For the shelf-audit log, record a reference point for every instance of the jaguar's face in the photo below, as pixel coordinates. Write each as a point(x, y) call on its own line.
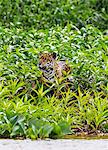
point(46, 60)
point(51, 68)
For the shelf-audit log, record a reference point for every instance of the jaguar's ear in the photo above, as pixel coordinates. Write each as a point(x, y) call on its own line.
point(40, 54)
point(54, 55)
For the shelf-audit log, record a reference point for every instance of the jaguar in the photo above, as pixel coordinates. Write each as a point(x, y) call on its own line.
point(53, 69)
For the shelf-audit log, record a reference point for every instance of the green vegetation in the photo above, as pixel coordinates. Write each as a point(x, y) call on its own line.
point(77, 31)
point(48, 13)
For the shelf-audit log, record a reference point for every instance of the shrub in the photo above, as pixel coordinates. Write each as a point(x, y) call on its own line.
point(48, 13)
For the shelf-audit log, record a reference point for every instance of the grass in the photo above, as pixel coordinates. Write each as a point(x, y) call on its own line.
point(27, 108)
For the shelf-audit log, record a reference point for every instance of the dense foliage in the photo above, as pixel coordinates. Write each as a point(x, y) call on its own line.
point(77, 31)
point(48, 13)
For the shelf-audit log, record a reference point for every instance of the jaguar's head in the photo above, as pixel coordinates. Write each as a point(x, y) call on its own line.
point(46, 59)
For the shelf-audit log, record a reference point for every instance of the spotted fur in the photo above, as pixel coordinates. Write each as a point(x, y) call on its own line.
point(52, 69)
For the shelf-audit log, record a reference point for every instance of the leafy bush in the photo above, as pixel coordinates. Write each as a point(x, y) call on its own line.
point(48, 13)
point(71, 29)
point(85, 49)
point(36, 115)
point(53, 117)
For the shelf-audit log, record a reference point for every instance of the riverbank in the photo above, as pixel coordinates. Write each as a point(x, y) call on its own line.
point(61, 144)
